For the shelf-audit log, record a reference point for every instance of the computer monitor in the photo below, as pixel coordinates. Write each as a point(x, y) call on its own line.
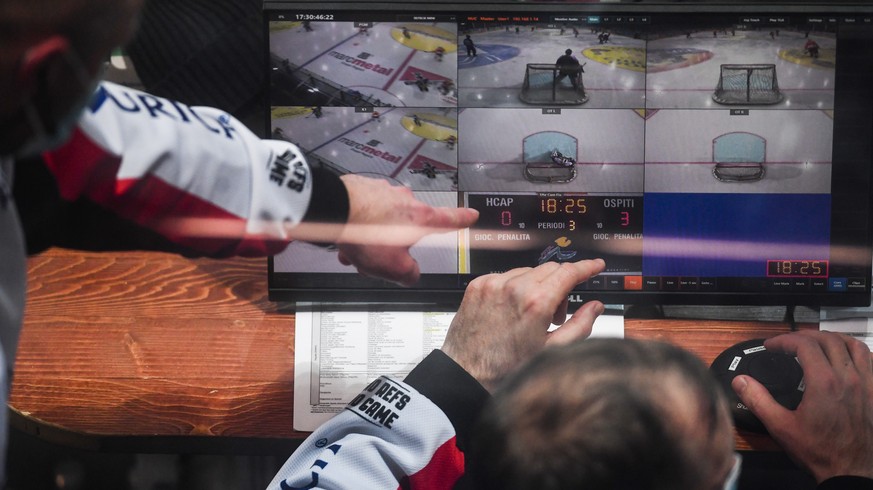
point(711, 154)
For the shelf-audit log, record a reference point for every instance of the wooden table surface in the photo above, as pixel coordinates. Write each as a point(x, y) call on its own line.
point(154, 352)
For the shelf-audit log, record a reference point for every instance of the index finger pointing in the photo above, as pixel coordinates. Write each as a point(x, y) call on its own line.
point(569, 274)
point(451, 218)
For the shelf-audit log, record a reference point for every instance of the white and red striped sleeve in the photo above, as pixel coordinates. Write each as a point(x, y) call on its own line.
point(195, 175)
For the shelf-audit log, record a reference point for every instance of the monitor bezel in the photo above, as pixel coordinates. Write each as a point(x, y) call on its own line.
point(340, 287)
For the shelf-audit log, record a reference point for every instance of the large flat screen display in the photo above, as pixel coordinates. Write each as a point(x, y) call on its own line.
point(710, 154)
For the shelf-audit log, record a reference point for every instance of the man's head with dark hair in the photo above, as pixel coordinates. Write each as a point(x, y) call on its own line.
point(605, 414)
point(568, 51)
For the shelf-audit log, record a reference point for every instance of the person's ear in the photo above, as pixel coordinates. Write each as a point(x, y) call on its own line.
point(39, 56)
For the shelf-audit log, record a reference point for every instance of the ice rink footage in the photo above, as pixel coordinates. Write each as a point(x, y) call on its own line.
point(385, 63)
point(407, 146)
point(683, 70)
point(682, 150)
point(614, 71)
point(609, 149)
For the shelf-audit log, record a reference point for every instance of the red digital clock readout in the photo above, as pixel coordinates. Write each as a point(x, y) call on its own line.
point(797, 268)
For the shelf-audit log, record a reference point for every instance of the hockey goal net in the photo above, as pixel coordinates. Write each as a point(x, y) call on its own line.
point(553, 84)
point(747, 84)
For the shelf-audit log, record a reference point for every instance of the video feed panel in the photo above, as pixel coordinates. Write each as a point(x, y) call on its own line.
point(556, 60)
point(367, 60)
point(373, 94)
point(563, 177)
point(739, 144)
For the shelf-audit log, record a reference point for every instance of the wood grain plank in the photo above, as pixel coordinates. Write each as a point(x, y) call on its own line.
point(141, 344)
point(151, 345)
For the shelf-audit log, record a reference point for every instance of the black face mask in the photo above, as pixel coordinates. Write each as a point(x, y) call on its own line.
point(47, 135)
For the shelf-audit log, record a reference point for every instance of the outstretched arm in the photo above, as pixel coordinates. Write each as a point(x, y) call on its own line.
point(384, 222)
point(203, 184)
point(502, 321)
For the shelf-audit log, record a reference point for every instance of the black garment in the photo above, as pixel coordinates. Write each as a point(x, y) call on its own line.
point(471, 48)
point(846, 483)
point(569, 61)
point(454, 390)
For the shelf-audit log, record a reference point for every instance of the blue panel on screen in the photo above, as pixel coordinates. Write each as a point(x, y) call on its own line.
point(732, 235)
